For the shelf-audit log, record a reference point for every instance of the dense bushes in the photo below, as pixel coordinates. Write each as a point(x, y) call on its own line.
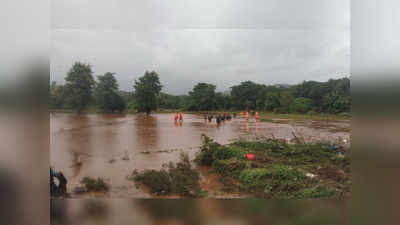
point(98, 185)
point(174, 178)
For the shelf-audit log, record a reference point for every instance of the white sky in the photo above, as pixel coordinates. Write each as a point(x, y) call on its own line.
point(222, 42)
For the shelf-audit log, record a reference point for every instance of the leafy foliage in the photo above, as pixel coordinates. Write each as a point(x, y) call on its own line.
point(58, 96)
point(279, 169)
point(203, 96)
point(106, 93)
point(147, 89)
point(300, 105)
point(98, 184)
point(79, 82)
point(332, 96)
point(174, 178)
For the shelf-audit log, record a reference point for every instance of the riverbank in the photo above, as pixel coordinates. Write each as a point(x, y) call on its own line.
point(263, 168)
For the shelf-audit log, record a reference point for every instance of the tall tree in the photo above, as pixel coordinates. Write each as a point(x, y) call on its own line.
point(203, 96)
point(79, 82)
point(58, 95)
point(272, 101)
point(147, 89)
point(106, 93)
point(245, 95)
point(285, 99)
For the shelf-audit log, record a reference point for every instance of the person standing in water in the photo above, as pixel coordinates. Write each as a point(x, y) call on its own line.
point(257, 116)
point(180, 117)
point(176, 117)
point(247, 116)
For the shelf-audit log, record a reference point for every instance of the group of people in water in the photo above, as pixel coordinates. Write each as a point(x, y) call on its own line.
point(228, 116)
point(178, 117)
point(219, 117)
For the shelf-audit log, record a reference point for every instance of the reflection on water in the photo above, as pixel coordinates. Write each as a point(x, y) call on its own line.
point(113, 145)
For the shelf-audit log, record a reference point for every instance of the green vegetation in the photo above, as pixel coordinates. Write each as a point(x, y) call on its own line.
point(79, 83)
point(203, 97)
point(106, 94)
point(279, 170)
point(174, 178)
point(147, 89)
point(98, 185)
point(300, 105)
point(266, 120)
point(81, 92)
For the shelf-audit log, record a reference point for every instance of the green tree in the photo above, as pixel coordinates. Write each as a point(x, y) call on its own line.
point(285, 99)
point(244, 95)
point(203, 96)
point(300, 105)
point(106, 93)
point(79, 82)
point(336, 103)
point(170, 101)
point(272, 101)
point(58, 95)
point(147, 89)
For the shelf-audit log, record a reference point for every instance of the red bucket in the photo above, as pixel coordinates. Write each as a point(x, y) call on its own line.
point(250, 156)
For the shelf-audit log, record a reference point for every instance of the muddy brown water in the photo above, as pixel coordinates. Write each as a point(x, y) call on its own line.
point(113, 145)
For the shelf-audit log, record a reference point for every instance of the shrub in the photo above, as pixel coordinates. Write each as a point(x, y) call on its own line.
point(254, 177)
point(174, 178)
point(159, 182)
point(232, 166)
point(98, 184)
point(206, 155)
point(227, 152)
point(317, 192)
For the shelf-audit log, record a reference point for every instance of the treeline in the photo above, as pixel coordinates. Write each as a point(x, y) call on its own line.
point(332, 96)
point(82, 90)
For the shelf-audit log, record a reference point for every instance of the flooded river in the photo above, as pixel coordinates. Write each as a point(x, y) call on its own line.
point(113, 145)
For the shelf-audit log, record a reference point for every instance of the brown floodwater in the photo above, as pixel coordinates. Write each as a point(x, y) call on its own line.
point(113, 145)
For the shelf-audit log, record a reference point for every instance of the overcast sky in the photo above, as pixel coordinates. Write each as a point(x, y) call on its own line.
point(222, 42)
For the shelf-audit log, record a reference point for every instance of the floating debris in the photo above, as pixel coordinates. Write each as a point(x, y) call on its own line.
point(145, 152)
point(112, 161)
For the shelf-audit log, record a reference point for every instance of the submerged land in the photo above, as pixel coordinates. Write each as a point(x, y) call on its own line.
point(131, 155)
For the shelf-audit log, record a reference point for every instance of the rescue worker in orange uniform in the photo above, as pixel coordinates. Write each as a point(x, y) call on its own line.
point(180, 117)
point(176, 117)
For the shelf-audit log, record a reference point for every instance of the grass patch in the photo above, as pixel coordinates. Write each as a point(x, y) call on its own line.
point(279, 169)
point(266, 120)
point(174, 178)
point(97, 185)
